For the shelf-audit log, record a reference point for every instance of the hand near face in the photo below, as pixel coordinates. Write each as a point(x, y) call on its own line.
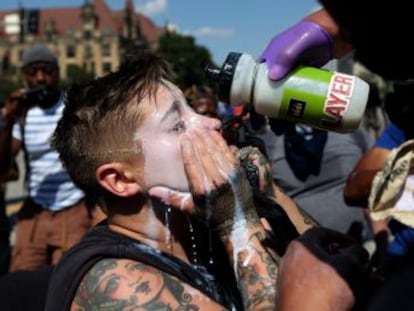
point(258, 170)
point(201, 181)
point(218, 184)
point(255, 165)
point(13, 109)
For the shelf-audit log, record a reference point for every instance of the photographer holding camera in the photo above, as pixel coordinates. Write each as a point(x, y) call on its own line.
point(55, 215)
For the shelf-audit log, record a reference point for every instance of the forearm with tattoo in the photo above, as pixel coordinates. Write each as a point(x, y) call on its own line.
point(258, 171)
point(256, 268)
point(236, 221)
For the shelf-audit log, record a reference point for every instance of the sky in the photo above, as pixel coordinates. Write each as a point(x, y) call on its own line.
point(222, 26)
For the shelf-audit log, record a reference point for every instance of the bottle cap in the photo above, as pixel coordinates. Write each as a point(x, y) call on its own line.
point(224, 75)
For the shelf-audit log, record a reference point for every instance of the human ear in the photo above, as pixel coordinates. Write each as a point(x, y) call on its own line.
point(116, 178)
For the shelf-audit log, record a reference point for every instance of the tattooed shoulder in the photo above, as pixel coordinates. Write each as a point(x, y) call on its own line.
point(123, 284)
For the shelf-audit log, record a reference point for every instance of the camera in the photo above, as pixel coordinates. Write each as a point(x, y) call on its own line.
point(35, 95)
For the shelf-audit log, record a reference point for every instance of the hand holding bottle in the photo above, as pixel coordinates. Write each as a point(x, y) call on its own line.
point(306, 42)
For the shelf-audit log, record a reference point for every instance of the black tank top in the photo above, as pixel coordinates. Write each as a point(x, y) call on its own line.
point(216, 281)
point(100, 242)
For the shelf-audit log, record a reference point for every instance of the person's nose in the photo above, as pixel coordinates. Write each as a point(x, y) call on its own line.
point(40, 77)
point(215, 124)
point(210, 123)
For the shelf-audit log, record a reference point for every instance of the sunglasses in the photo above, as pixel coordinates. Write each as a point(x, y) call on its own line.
point(32, 70)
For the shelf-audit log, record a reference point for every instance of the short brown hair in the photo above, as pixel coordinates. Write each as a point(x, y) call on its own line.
point(99, 116)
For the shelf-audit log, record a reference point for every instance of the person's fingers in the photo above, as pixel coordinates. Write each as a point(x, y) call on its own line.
point(192, 165)
point(244, 153)
point(277, 72)
point(235, 150)
point(263, 171)
point(230, 159)
point(221, 154)
point(175, 199)
point(208, 154)
point(258, 169)
point(18, 94)
point(225, 157)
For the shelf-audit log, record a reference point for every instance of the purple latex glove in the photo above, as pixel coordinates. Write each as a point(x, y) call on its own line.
point(305, 42)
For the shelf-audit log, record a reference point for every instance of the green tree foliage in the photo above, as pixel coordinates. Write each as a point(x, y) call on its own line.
point(7, 86)
point(78, 75)
point(187, 59)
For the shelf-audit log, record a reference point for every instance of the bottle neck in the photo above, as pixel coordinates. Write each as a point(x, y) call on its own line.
point(242, 86)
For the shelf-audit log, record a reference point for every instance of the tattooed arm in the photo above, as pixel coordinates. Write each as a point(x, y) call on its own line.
point(223, 197)
point(255, 265)
point(123, 284)
point(259, 174)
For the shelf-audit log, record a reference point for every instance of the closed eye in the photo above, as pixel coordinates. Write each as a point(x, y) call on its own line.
point(178, 127)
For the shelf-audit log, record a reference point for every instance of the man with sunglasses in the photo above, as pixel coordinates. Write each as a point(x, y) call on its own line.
point(54, 216)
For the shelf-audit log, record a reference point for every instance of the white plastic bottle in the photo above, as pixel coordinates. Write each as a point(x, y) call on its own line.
point(320, 98)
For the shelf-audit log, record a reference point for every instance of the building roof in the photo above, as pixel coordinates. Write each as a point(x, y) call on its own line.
point(70, 19)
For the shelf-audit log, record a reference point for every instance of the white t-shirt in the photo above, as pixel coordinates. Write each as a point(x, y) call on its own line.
point(49, 184)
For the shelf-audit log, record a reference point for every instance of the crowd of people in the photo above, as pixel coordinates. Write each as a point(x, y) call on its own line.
point(144, 196)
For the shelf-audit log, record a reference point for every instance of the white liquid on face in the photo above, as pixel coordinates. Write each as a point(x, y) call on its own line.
point(151, 226)
point(163, 164)
point(186, 198)
point(168, 235)
point(197, 121)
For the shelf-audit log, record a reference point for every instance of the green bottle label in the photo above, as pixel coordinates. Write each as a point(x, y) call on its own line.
point(313, 74)
point(316, 97)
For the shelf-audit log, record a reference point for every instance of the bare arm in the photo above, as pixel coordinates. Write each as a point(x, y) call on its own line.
point(254, 264)
point(259, 172)
point(300, 220)
point(9, 147)
point(222, 197)
point(122, 284)
point(11, 175)
point(358, 184)
point(233, 215)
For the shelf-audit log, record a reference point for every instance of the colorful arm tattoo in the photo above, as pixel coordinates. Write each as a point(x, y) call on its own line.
point(122, 284)
point(256, 268)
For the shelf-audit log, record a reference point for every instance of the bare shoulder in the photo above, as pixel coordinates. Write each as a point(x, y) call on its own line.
point(123, 284)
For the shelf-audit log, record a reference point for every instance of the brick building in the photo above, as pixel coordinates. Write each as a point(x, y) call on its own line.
point(93, 36)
